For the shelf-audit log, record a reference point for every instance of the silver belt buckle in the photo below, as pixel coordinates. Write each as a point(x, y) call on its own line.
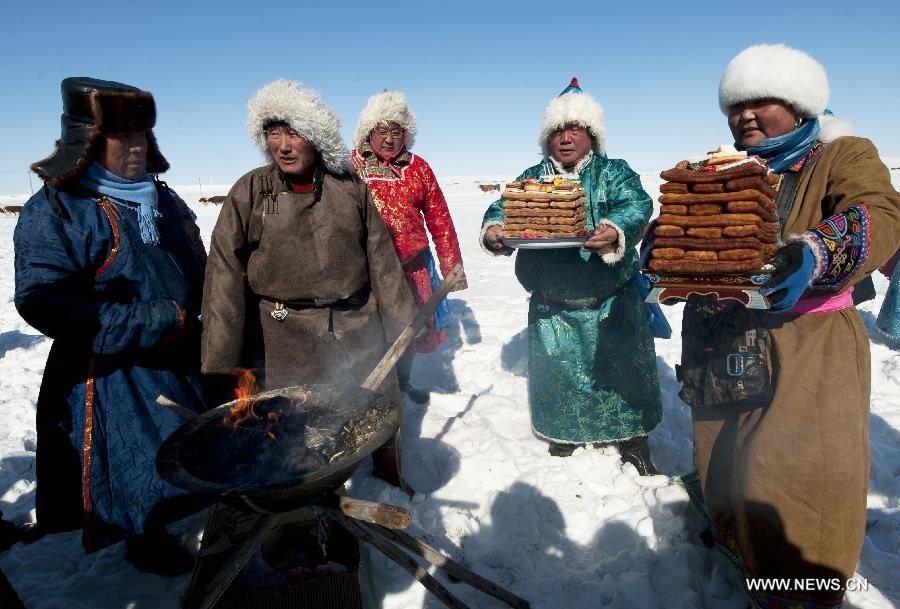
point(279, 312)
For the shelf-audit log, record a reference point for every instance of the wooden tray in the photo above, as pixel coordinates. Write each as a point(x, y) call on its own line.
point(669, 288)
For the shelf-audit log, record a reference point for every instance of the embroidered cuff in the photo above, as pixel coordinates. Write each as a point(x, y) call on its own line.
point(506, 251)
point(839, 244)
point(613, 253)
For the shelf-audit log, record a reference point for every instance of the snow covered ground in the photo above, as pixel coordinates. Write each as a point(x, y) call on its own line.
point(581, 532)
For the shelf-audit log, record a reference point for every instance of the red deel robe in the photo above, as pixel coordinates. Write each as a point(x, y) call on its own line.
point(407, 194)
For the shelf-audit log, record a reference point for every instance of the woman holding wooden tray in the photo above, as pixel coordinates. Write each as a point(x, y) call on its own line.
point(784, 479)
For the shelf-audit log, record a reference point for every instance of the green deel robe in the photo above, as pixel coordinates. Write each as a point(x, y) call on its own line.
point(591, 369)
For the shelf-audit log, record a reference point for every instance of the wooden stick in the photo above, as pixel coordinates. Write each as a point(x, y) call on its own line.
point(453, 568)
point(363, 533)
point(177, 408)
point(387, 516)
point(377, 376)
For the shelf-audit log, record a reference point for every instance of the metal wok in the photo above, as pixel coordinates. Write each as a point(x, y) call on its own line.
point(320, 442)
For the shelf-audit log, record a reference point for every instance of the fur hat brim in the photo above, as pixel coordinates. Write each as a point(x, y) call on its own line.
point(775, 71)
point(574, 107)
point(91, 108)
point(386, 107)
point(304, 111)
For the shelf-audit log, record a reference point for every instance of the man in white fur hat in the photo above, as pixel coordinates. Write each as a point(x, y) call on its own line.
point(409, 198)
point(592, 364)
point(303, 284)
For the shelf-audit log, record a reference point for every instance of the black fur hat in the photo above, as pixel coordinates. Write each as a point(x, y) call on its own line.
point(92, 107)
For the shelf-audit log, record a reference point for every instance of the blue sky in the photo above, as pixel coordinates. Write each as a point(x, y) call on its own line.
point(478, 74)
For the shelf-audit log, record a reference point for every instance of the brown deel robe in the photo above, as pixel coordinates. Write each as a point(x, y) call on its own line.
point(296, 249)
point(787, 483)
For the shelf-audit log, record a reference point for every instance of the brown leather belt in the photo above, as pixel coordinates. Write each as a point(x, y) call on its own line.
point(354, 301)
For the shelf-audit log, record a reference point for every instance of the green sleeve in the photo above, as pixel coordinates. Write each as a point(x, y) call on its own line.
point(629, 206)
point(494, 213)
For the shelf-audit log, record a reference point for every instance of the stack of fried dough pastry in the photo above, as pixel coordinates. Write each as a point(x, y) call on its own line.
point(553, 209)
point(715, 222)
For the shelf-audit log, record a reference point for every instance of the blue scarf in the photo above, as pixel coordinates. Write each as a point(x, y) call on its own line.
point(141, 191)
point(787, 150)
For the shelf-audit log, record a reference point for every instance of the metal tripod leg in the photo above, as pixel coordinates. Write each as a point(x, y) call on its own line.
point(363, 533)
point(204, 594)
point(386, 541)
point(451, 567)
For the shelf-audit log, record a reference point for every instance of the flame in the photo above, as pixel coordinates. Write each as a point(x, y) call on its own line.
point(243, 408)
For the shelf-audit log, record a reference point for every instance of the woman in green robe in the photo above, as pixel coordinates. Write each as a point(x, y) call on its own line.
point(592, 363)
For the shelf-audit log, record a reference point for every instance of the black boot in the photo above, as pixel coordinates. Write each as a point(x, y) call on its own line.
point(11, 533)
point(404, 368)
point(637, 452)
point(386, 465)
point(419, 396)
point(155, 551)
point(562, 450)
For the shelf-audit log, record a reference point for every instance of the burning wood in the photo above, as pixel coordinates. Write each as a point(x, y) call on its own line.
point(244, 408)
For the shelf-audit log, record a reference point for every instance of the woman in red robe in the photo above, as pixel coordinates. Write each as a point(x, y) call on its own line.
point(407, 194)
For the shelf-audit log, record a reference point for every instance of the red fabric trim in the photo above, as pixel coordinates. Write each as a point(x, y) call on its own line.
point(179, 328)
point(301, 187)
point(419, 282)
point(180, 312)
point(814, 153)
point(86, 456)
point(107, 208)
point(181, 315)
point(305, 184)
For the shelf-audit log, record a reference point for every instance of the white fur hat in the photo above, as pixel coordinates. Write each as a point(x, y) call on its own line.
point(573, 106)
point(775, 71)
point(304, 111)
point(385, 107)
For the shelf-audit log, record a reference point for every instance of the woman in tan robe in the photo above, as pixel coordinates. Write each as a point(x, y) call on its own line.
point(785, 484)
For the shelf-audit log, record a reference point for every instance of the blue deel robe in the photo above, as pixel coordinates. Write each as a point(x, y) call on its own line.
point(592, 365)
point(118, 311)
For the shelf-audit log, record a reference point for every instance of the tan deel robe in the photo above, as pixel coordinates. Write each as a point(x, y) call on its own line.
point(786, 485)
point(298, 250)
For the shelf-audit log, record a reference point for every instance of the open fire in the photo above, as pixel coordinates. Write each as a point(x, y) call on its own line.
point(322, 432)
point(244, 408)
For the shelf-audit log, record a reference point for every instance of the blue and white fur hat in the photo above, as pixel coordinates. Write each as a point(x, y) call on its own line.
point(574, 106)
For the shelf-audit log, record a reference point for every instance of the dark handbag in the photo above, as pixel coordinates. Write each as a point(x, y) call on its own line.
point(725, 357)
